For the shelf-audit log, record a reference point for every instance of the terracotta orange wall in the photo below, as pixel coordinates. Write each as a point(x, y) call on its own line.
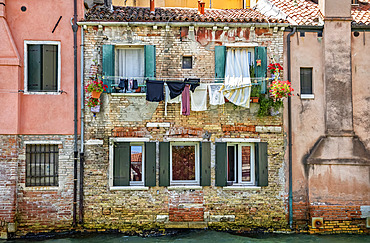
point(43, 114)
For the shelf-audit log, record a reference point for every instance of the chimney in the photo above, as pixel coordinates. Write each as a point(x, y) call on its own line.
point(2, 8)
point(201, 5)
point(152, 9)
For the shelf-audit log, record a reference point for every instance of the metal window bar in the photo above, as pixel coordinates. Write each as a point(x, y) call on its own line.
point(42, 165)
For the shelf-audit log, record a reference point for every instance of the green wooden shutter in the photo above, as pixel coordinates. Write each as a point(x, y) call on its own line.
point(164, 164)
point(205, 165)
point(221, 164)
point(121, 164)
point(150, 66)
point(261, 164)
point(260, 53)
point(220, 62)
point(108, 66)
point(150, 156)
point(34, 53)
point(50, 68)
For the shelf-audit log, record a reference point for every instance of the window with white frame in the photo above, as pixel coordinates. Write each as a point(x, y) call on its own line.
point(130, 63)
point(239, 62)
point(240, 164)
point(132, 162)
point(184, 163)
point(128, 164)
point(42, 66)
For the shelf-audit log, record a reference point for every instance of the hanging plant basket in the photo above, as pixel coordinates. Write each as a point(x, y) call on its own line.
point(96, 95)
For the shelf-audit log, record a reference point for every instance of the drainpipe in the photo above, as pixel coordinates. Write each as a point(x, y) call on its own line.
point(290, 132)
point(82, 154)
point(75, 154)
point(152, 8)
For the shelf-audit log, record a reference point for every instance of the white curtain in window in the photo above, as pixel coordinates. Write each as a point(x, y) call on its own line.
point(131, 63)
point(237, 86)
point(237, 67)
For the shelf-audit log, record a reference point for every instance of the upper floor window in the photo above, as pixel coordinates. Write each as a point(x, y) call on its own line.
point(126, 66)
point(42, 164)
point(306, 83)
point(42, 66)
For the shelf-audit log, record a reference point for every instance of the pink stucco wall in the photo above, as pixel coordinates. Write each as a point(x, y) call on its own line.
point(38, 113)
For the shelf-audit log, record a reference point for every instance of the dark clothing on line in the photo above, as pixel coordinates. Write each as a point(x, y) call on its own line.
point(154, 90)
point(175, 88)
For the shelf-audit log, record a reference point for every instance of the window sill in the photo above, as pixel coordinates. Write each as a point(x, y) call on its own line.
point(41, 93)
point(241, 188)
point(128, 94)
point(173, 188)
point(129, 188)
point(40, 188)
point(307, 96)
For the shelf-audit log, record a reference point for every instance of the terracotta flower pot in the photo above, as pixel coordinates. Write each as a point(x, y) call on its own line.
point(254, 99)
point(95, 94)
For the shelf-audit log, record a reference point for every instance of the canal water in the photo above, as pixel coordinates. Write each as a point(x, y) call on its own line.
point(204, 237)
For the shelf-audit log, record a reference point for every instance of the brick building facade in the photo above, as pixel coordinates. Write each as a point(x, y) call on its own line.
point(128, 118)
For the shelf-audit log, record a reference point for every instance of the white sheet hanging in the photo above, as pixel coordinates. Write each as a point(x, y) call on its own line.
point(199, 98)
point(215, 95)
point(237, 67)
point(168, 99)
point(237, 86)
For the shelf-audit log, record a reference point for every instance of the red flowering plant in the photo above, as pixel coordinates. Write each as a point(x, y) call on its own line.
point(95, 84)
point(280, 89)
point(92, 102)
point(275, 68)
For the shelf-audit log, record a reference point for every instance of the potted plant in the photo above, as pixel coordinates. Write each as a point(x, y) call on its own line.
point(278, 91)
point(95, 86)
point(255, 93)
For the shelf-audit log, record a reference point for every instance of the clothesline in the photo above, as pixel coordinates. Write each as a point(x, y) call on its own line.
point(169, 79)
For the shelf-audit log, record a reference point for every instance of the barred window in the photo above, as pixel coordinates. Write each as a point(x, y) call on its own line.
point(42, 165)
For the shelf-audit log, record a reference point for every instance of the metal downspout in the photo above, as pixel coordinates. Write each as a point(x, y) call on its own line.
point(75, 154)
point(82, 119)
point(290, 133)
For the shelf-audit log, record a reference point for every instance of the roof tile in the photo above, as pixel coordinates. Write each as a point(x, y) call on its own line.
point(141, 14)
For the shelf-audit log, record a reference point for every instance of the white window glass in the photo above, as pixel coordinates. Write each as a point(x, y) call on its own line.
point(240, 164)
point(136, 164)
point(184, 163)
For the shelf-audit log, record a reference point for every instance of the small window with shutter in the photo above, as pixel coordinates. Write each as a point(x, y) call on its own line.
point(133, 164)
point(241, 164)
point(42, 66)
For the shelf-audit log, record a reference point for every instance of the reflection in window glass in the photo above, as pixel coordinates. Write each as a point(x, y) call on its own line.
point(246, 163)
point(136, 165)
point(183, 162)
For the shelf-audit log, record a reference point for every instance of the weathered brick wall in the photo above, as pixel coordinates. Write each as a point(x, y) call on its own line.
point(8, 180)
point(127, 116)
point(42, 209)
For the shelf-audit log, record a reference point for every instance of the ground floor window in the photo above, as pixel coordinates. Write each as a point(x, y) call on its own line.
point(184, 163)
point(42, 164)
point(240, 164)
point(133, 164)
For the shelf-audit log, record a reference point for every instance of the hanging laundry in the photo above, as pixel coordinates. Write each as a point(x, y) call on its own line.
point(134, 84)
point(154, 90)
point(215, 95)
point(175, 88)
point(123, 84)
point(168, 98)
point(185, 102)
point(194, 82)
point(199, 98)
point(238, 95)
